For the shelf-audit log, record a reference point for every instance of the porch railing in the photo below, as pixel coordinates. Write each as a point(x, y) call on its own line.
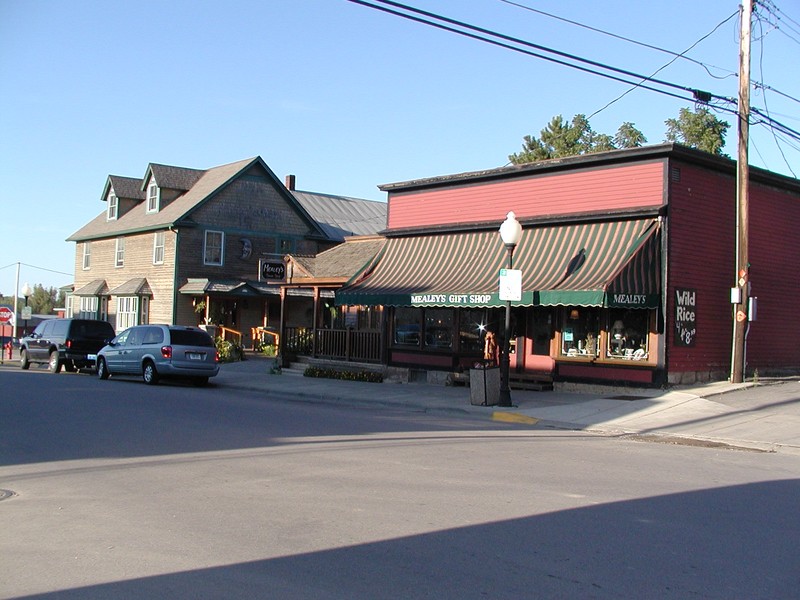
point(339, 344)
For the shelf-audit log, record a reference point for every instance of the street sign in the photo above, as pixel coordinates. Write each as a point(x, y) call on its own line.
point(510, 285)
point(6, 316)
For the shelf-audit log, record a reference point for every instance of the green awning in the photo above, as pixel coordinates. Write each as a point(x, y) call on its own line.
point(613, 263)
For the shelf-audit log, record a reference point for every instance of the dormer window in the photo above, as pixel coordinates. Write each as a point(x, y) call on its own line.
point(152, 196)
point(113, 206)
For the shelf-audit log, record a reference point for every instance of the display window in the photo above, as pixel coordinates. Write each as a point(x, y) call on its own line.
point(627, 334)
point(580, 332)
point(407, 326)
point(439, 328)
point(473, 324)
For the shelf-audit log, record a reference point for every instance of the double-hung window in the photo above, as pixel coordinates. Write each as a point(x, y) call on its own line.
point(127, 311)
point(152, 196)
point(213, 248)
point(113, 207)
point(119, 255)
point(158, 248)
point(87, 255)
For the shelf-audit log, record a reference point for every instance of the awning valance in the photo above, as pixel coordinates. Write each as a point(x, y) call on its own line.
point(613, 263)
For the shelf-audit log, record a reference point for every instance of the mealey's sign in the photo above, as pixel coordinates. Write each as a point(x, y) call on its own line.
point(272, 270)
point(450, 299)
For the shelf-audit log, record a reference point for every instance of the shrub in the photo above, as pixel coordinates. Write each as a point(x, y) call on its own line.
point(368, 376)
point(228, 351)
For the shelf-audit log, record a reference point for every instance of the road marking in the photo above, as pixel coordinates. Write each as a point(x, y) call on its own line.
point(509, 417)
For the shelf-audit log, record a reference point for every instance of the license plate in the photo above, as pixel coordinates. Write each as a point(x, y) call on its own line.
point(91, 356)
point(194, 356)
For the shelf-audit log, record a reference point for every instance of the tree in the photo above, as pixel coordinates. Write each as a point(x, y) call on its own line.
point(699, 129)
point(560, 139)
point(42, 301)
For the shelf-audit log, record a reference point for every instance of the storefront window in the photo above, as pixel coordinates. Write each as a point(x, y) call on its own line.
point(473, 323)
point(407, 326)
point(580, 332)
point(627, 334)
point(439, 328)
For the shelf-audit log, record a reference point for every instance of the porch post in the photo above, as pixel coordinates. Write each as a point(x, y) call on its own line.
point(315, 322)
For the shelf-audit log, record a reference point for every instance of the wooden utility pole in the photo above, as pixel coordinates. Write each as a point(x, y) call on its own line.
point(742, 201)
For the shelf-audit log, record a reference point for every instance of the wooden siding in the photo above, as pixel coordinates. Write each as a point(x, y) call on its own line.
point(774, 254)
point(138, 263)
point(619, 187)
point(702, 234)
point(701, 258)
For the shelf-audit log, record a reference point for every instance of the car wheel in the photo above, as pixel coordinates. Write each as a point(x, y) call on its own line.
point(200, 381)
point(24, 363)
point(102, 369)
point(149, 373)
point(55, 363)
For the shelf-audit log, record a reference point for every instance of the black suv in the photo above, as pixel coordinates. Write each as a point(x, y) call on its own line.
point(68, 343)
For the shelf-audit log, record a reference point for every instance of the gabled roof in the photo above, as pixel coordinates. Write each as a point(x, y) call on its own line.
point(341, 216)
point(340, 262)
point(173, 178)
point(206, 185)
point(124, 187)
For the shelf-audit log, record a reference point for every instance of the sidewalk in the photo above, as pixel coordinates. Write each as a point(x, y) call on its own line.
point(689, 413)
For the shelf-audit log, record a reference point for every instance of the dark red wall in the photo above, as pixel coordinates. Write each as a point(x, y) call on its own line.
point(619, 187)
point(701, 256)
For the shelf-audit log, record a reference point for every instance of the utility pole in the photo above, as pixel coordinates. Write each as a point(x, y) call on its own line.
point(742, 202)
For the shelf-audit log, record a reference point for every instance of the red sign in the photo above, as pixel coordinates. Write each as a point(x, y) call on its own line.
point(6, 315)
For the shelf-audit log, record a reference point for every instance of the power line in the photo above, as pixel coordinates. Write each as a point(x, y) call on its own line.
point(626, 39)
point(720, 103)
point(626, 92)
point(696, 94)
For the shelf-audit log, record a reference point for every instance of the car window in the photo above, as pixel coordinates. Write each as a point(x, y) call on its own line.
point(153, 335)
point(60, 328)
point(136, 336)
point(40, 328)
point(121, 338)
point(190, 337)
point(98, 330)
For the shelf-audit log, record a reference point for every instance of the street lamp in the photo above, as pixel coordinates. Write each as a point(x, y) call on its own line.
point(26, 292)
point(510, 233)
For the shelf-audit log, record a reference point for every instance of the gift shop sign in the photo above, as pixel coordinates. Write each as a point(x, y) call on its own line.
point(685, 317)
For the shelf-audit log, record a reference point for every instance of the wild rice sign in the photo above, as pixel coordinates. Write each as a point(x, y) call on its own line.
point(685, 317)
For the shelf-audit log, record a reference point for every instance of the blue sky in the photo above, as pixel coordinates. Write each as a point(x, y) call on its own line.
point(343, 96)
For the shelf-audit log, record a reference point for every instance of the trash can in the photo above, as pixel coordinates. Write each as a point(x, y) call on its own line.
point(484, 386)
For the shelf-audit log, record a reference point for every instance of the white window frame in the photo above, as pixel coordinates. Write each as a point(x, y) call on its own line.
point(113, 206)
point(144, 313)
point(87, 256)
point(158, 247)
point(212, 247)
point(153, 196)
point(88, 308)
point(119, 253)
point(127, 312)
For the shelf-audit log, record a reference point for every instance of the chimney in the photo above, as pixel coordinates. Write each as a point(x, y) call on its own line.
point(290, 181)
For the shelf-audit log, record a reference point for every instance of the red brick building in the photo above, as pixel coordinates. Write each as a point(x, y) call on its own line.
point(627, 258)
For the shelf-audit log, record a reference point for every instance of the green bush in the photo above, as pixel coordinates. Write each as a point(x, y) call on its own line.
point(368, 376)
point(228, 351)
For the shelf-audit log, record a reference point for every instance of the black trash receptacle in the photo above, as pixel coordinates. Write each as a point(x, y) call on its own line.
point(484, 386)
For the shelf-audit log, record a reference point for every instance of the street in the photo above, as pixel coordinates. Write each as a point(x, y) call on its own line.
point(121, 490)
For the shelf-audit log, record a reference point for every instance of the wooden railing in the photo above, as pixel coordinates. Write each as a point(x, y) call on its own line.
point(339, 344)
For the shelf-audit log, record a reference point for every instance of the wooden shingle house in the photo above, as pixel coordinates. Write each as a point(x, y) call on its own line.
point(191, 246)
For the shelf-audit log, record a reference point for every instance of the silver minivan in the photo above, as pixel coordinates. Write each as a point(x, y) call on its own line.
point(156, 351)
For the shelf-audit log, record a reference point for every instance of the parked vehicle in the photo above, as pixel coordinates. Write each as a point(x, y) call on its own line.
point(156, 351)
point(68, 343)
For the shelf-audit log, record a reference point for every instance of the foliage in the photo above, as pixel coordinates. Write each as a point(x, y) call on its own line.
point(560, 139)
point(699, 129)
point(229, 351)
point(267, 349)
point(368, 376)
point(42, 301)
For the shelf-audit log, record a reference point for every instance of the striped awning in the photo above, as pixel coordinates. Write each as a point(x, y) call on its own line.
point(613, 263)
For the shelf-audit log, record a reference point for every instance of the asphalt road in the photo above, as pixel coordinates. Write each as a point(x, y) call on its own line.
point(120, 490)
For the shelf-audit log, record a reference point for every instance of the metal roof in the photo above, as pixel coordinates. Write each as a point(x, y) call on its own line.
point(341, 216)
